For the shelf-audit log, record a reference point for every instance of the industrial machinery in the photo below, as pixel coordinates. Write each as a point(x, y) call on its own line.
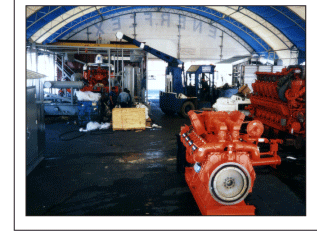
point(61, 105)
point(235, 103)
point(96, 75)
point(35, 124)
point(176, 98)
point(278, 101)
point(135, 82)
point(220, 160)
point(92, 67)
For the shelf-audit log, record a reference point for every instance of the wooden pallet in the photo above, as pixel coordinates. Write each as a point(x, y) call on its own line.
point(128, 119)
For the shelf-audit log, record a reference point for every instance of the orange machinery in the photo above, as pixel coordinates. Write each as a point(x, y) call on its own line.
point(97, 78)
point(278, 101)
point(222, 159)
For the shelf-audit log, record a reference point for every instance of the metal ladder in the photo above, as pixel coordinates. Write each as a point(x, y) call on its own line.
point(68, 72)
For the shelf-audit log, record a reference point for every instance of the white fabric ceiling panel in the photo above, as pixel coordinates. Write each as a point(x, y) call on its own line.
point(299, 10)
point(32, 9)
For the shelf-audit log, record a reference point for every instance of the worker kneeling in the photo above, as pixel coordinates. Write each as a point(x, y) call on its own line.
point(124, 99)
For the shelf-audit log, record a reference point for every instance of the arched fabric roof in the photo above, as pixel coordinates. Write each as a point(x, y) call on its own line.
point(263, 28)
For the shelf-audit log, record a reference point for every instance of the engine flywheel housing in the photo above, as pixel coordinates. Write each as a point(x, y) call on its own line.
point(229, 183)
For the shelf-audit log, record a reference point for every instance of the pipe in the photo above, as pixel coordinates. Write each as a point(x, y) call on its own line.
point(267, 161)
point(78, 61)
point(250, 148)
point(282, 90)
point(302, 69)
point(202, 152)
point(197, 124)
point(67, 84)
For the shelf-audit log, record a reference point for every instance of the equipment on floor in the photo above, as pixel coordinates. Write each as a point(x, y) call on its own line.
point(178, 98)
point(35, 124)
point(95, 68)
point(278, 101)
point(220, 160)
point(88, 111)
point(234, 103)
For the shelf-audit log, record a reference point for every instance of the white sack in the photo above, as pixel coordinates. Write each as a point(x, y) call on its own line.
point(140, 105)
point(87, 96)
point(92, 126)
point(104, 126)
point(95, 126)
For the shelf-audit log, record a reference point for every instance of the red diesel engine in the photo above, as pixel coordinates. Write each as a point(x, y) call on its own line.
point(98, 79)
point(222, 160)
point(278, 101)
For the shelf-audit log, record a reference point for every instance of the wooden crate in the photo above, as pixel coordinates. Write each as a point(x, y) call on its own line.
point(128, 119)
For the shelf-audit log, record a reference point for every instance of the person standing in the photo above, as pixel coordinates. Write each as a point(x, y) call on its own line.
point(205, 89)
point(124, 98)
point(103, 101)
point(113, 98)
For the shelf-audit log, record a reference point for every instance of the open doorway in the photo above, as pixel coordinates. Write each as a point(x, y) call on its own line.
point(156, 79)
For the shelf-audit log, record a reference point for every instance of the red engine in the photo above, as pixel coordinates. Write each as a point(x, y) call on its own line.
point(223, 158)
point(278, 100)
point(98, 79)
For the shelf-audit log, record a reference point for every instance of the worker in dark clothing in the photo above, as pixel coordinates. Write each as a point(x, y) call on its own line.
point(103, 101)
point(124, 98)
point(204, 90)
point(130, 98)
point(113, 98)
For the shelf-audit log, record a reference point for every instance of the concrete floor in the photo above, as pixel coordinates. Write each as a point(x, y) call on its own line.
point(128, 173)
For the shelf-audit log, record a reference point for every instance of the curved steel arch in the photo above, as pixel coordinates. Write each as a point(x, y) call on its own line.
point(43, 16)
point(205, 20)
point(235, 29)
point(254, 41)
point(265, 26)
point(293, 33)
point(40, 14)
point(285, 11)
point(79, 21)
point(294, 29)
point(52, 27)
